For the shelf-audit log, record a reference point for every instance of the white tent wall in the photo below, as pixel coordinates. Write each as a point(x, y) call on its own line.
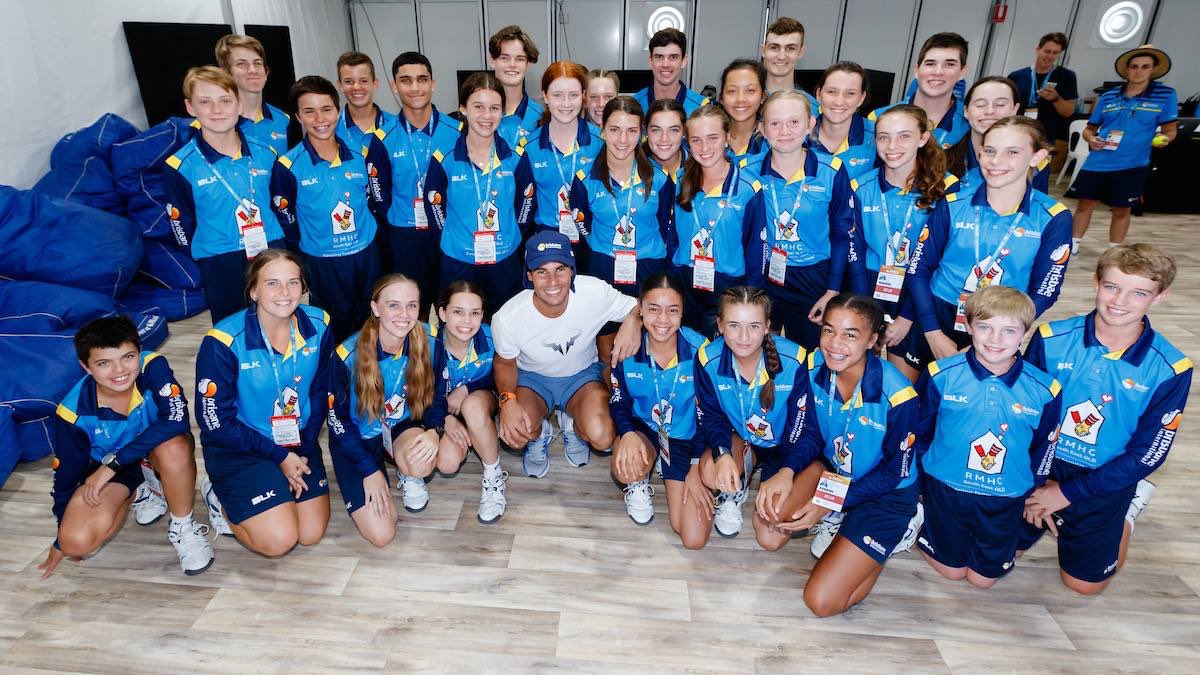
point(65, 62)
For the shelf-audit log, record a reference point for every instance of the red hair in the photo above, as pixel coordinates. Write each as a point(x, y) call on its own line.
point(564, 69)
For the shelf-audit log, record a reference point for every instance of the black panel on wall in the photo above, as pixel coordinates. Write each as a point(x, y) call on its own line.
point(277, 40)
point(162, 54)
point(879, 87)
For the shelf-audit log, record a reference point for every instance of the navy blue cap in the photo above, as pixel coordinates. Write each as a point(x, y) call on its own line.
point(545, 247)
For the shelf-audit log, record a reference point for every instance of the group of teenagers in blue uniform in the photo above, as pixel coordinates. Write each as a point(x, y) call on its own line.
point(628, 263)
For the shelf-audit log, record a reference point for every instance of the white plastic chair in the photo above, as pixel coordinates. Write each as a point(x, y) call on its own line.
point(1077, 152)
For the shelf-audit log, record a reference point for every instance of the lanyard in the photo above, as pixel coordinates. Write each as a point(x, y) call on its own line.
point(1033, 85)
point(666, 426)
point(999, 247)
point(575, 150)
point(887, 224)
point(396, 384)
point(628, 195)
point(833, 402)
point(233, 193)
point(751, 388)
point(774, 192)
point(275, 367)
point(487, 188)
point(721, 204)
point(412, 132)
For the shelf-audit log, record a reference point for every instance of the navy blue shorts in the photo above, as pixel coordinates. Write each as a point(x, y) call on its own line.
point(500, 281)
point(791, 303)
point(699, 306)
point(556, 392)
point(224, 279)
point(341, 285)
point(348, 478)
point(876, 526)
point(978, 532)
point(601, 266)
point(417, 255)
point(915, 348)
point(677, 460)
point(248, 485)
point(770, 460)
point(1118, 189)
point(1089, 531)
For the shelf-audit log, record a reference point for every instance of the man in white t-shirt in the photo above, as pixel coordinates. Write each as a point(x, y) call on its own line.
point(545, 358)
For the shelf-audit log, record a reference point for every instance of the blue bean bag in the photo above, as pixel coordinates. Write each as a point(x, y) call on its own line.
point(79, 165)
point(40, 307)
point(49, 239)
point(137, 165)
point(169, 266)
point(173, 303)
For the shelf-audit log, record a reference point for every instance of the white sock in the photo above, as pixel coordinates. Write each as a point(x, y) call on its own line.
point(1114, 243)
point(491, 469)
point(180, 521)
point(1075, 241)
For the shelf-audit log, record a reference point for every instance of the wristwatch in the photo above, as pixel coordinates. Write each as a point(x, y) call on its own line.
point(721, 451)
point(506, 396)
point(110, 460)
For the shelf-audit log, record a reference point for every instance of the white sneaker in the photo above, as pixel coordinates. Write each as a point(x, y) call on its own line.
point(728, 516)
point(148, 505)
point(575, 449)
point(1141, 497)
point(639, 502)
point(826, 530)
point(215, 518)
point(910, 534)
point(195, 553)
point(415, 494)
point(492, 500)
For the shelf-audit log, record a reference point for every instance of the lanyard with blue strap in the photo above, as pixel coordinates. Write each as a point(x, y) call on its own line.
point(398, 388)
point(246, 214)
point(285, 427)
point(980, 276)
point(566, 219)
point(1034, 87)
point(842, 453)
point(752, 388)
point(484, 198)
point(784, 218)
point(704, 267)
point(624, 235)
point(896, 253)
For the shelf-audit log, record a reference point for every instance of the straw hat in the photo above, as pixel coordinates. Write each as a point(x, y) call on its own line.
point(1163, 62)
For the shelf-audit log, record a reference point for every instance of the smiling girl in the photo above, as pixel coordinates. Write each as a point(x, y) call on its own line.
point(1005, 233)
point(385, 399)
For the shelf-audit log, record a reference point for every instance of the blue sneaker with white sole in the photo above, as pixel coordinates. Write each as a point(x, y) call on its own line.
point(575, 449)
point(537, 459)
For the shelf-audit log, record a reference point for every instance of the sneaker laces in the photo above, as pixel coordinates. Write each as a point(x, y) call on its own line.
point(495, 483)
point(198, 529)
point(642, 487)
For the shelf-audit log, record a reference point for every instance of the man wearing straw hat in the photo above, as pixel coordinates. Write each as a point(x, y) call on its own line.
point(1120, 132)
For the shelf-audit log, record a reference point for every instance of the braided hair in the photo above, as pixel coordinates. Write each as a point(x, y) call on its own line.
point(750, 295)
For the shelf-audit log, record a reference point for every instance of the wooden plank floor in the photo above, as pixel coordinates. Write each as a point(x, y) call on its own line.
point(566, 582)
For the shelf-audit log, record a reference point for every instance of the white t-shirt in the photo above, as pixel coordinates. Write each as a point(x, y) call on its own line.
point(563, 345)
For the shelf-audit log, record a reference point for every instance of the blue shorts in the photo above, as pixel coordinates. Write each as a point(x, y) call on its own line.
point(601, 266)
point(341, 285)
point(556, 392)
point(876, 526)
point(1118, 189)
point(500, 281)
point(1089, 531)
point(699, 306)
point(915, 348)
point(348, 478)
point(791, 303)
point(417, 255)
point(978, 532)
point(248, 485)
point(224, 279)
point(677, 461)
